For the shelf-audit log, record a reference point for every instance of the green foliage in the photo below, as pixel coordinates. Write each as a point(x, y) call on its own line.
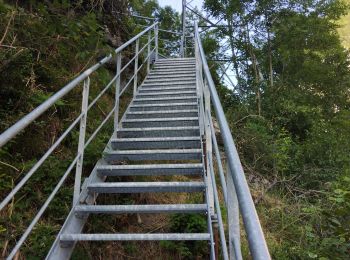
point(41, 241)
point(169, 19)
point(44, 47)
point(45, 55)
point(187, 223)
point(293, 132)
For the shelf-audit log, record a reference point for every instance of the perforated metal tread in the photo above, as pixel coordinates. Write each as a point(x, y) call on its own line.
point(159, 135)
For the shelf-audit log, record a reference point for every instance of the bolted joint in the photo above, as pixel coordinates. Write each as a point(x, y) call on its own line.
point(80, 215)
point(214, 219)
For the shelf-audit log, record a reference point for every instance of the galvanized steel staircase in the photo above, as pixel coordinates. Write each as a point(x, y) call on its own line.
point(166, 131)
point(161, 124)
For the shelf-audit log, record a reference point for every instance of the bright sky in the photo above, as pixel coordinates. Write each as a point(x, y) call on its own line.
point(177, 4)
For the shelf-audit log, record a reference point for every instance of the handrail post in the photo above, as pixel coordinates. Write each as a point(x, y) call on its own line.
point(206, 131)
point(219, 162)
point(149, 51)
point(183, 36)
point(199, 88)
point(233, 219)
point(156, 41)
point(208, 143)
point(136, 65)
point(81, 144)
point(117, 90)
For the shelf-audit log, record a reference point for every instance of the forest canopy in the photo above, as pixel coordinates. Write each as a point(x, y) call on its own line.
point(288, 111)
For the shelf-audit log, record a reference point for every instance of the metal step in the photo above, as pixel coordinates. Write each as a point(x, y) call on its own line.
point(175, 66)
point(168, 81)
point(70, 238)
point(185, 62)
point(160, 65)
point(167, 84)
point(145, 187)
point(156, 143)
point(172, 76)
point(160, 122)
point(193, 60)
point(186, 131)
point(173, 70)
point(170, 84)
point(148, 89)
point(185, 93)
point(177, 59)
point(178, 73)
point(167, 89)
point(151, 169)
point(128, 209)
point(167, 100)
point(161, 114)
point(161, 107)
point(157, 155)
point(166, 63)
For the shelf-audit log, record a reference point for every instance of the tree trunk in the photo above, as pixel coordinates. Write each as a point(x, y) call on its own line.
point(232, 45)
point(270, 58)
point(256, 76)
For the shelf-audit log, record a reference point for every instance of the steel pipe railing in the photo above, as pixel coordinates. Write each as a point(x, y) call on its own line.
point(256, 240)
point(26, 120)
point(214, 210)
point(77, 162)
point(36, 166)
point(218, 159)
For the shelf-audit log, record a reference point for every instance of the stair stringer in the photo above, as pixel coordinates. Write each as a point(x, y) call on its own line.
point(75, 223)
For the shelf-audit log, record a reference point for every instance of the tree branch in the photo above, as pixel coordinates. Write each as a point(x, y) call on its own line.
point(7, 27)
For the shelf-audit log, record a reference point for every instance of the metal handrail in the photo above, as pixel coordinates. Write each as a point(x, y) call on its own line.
point(11, 132)
point(256, 239)
point(208, 135)
point(29, 118)
point(26, 120)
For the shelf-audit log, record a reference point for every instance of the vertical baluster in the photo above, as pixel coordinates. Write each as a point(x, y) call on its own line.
point(199, 87)
point(117, 91)
point(208, 138)
point(233, 219)
point(219, 162)
point(136, 65)
point(149, 51)
point(183, 21)
point(81, 144)
point(156, 41)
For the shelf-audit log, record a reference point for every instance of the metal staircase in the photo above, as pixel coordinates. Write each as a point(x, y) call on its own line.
point(161, 125)
point(167, 130)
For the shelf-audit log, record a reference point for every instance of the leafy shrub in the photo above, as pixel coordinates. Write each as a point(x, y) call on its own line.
point(187, 223)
